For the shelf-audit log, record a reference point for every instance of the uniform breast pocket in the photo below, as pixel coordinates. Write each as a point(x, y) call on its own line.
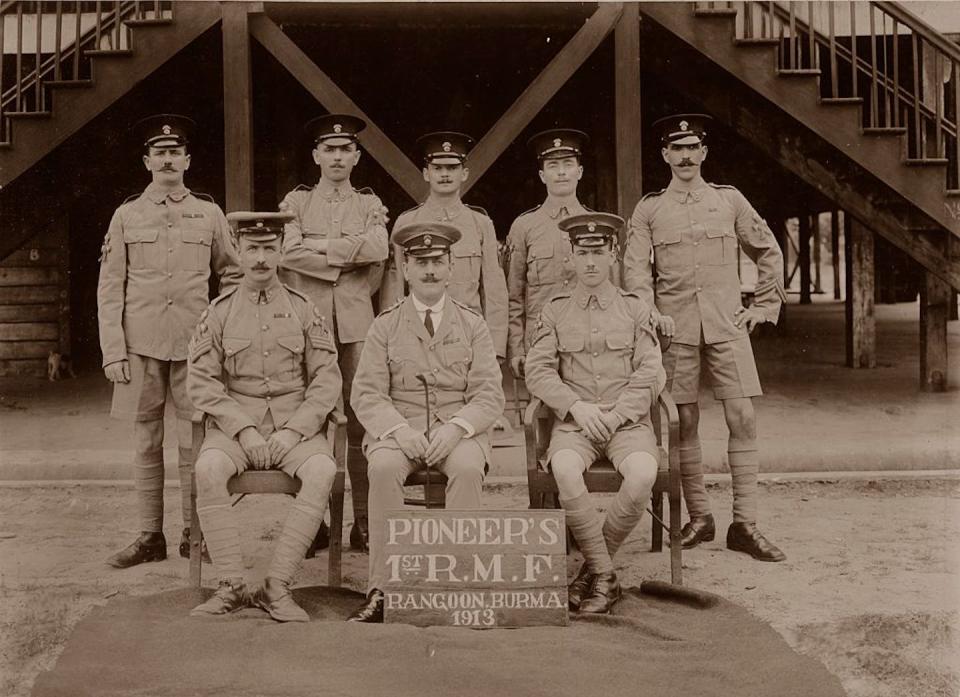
point(721, 247)
point(143, 250)
point(197, 238)
point(569, 345)
point(620, 346)
point(404, 363)
point(666, 245)
point(541, 268)
point(458, 358)
point(466, 263)
point(290, 355)
point(235, 354)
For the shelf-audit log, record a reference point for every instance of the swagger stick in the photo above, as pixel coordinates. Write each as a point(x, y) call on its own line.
point(422, 377)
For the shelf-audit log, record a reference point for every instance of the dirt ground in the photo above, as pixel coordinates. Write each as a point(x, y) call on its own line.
point(870, 587)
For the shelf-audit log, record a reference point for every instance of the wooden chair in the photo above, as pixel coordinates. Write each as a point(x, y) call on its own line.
point(434, 491)
point(602, 477)
point(277, 482)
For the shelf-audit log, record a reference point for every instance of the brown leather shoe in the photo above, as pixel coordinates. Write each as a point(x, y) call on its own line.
point(360, 536)
point(320, 541)
point(603, 593)
point(275, 598)
point(744, 537)
point(185, 547)
point(372, 609)
point(150, 546)
point(227, 598)
point(701, 528)
point(578, 587)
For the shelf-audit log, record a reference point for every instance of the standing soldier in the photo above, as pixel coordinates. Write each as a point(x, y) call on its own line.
point(595, 361)
point(476, 277)
point(333, 251)
point(691, 231)
point(263, 367)
point(429, 337)
point(154, 283)
point(539, 258)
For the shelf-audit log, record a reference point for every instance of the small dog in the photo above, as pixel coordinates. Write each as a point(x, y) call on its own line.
point(59, 366)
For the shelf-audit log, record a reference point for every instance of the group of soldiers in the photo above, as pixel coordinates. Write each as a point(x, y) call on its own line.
point(293, 334)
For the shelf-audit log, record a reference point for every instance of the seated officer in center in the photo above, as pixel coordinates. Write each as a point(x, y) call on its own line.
point(593, 361)
point(263, 367)
point(426, 336)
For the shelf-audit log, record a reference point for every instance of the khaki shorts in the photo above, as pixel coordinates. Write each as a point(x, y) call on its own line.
point(151, 380)
point(729, 364)
point(636, 438)
point(215, 439)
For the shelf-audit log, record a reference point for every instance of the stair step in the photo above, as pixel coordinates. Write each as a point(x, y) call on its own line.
point(758, 41)
point(831, 101)
point(28, 114)
point(715, 12)
point(122, 52)
point(798, 72)
point(148, 22)
point(885, 131)
point(927, 161)
point(68, 83)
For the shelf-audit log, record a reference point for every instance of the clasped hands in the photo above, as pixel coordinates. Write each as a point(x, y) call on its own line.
point(434, 451)
point(265, 453)
point(597, 423)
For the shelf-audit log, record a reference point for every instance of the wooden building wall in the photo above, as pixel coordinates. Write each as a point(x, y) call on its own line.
point(34, 303)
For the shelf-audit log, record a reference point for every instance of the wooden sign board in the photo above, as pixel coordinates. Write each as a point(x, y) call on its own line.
point(482, 568)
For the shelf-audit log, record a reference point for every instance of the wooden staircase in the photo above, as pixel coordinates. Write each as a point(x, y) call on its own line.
point(72, 60)
point(871, 123)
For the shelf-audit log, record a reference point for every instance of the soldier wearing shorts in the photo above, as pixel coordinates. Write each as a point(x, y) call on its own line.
point(596, 362)
point(263, 367)
point(691, 232)
point(155, 269)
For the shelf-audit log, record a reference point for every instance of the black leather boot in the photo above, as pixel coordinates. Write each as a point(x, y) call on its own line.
point(150, 546)
point(701, 528)
point(320, 541)
point(603, 593)
point(744, 537)
point(360, 536)
point(185, 546)
point(372, 609)
point(578, 587)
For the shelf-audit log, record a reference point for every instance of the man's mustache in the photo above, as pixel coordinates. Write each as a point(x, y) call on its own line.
point(261, 267)
point(686, 163)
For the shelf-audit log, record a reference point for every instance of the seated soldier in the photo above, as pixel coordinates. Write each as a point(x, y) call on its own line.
point(427, 336)
point(263, 366)
point(593, 361)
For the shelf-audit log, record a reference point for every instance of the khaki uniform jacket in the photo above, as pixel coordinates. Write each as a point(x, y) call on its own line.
point(154, 273)
point(341, 281)
point(694, 238)
point(540, 265)
point(466, 379)
point(252, 354)
point(596, 345)
point(477, 280)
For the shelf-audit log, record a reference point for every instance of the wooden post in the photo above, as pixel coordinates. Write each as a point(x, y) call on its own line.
point(785, 248)
point(803, 243)
point(627, 107)
point(835, 251)
point(237, 111)
point(935, 297)
point(815, 223)
point(861, 335)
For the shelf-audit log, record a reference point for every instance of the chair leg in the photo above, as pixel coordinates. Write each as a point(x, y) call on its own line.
point(656, 532)
point(196, 555)
point(334, 572)
point(676, 549)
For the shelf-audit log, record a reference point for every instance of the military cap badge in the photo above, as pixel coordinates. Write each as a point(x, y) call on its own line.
point(557, 142)
point(684, 126)
point(446, 146)
point(337, 128)
point(166, 130)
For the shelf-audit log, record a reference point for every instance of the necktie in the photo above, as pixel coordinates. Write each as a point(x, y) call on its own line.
point(428, 322)
point(563, 212)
